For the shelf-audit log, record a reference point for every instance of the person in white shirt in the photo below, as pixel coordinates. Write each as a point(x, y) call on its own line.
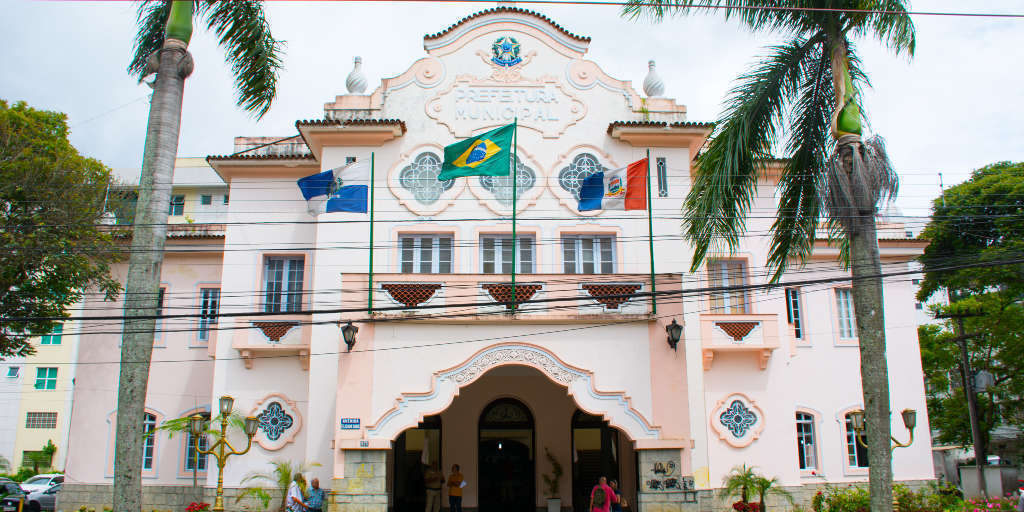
point(294, 501)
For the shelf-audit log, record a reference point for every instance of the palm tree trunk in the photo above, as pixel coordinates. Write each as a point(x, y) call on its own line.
point(143, 283)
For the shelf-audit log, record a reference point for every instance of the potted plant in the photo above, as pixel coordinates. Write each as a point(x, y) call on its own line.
point(551, 481)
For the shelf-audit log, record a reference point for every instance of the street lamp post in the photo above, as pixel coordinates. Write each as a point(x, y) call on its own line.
point(909, 421)
point(222, 449)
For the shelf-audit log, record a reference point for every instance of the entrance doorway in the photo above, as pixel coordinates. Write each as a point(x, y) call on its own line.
point(595, 454)
point(415, 450)
point(506, 457)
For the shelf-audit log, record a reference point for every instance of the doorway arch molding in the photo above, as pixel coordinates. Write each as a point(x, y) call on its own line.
point(613, 406)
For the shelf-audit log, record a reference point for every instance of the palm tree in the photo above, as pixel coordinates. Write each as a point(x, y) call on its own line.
point(769, 487)
point(809, 86)
point(740, 481)
point(277, 479)
point(161, 47)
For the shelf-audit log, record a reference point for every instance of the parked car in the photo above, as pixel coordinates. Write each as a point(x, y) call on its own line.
point(43, 501)
point(41, 482)
point(12, 496)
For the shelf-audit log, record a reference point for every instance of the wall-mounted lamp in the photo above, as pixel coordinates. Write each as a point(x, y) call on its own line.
point(909, 421)
point(348, 333)
point(675, 332)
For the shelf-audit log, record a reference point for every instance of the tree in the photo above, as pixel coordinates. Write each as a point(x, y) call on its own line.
point(765, 487)
point(740, 481)
point(978, 220)
point(275, 480)
point(161, 47)
point(51, 247)
point(808, 86)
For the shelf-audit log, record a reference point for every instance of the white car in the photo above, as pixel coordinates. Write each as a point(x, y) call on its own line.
point(41, 482)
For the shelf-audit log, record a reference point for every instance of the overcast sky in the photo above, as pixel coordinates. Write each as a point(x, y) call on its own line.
point(955, 107)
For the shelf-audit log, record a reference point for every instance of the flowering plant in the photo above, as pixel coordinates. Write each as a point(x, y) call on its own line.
point(743, 506)
point(197, 507)
point(988, 505)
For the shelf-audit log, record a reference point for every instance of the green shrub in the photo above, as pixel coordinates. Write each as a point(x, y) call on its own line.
point(933, 498)
point(986, 505)
point(842, 499)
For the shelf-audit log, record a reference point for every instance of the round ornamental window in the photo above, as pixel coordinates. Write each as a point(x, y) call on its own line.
point(501, 186)
point(571, 177)
point(420, 178)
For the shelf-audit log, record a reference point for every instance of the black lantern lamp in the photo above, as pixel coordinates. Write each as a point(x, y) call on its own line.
point(348, 333)
point(675, 332)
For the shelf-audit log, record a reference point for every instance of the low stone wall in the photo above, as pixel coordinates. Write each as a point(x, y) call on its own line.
point(711, 500)
point(161, 498)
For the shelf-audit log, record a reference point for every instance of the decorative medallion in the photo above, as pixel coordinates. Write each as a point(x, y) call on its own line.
point(505, 51)
point(274, 421)
point(278, 420)
point(738, 420)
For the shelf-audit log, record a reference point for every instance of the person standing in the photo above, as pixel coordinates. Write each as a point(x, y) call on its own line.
point(602, 496)
point(455, 485)
point(293, 501)
point(317, 496)
point(432, 480)
point(618, 503)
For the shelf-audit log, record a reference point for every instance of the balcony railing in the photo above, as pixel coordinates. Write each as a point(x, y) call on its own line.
point(547, 297)
point(744, 333)
point(272, 336)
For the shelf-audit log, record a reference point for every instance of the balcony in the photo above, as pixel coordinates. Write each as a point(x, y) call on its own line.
point(273, 336)
point(488, 297)
point(757, 335)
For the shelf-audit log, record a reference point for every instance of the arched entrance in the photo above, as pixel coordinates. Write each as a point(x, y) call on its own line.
point(416, 449)
point(506, 457)
point(596, 453)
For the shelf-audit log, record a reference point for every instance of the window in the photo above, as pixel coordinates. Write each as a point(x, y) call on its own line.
point(570, 178)
point(588, 254)
point(54, 337)
point(662, 168)
point(13, 371)
point(496, 254)
point(283, 284)
point(191, 460)
point(208, 307)
point(148, 440)
point(501, 186)
point(844, 305)
point(793, 314)
point(915, 282)
point(350, 159)
point(857, 453)
point(420, 178)
point(728, 274)
point(205, 200)
point(910, 234)
point(177, 205)
point(918, 305)
point(426, 254)
point(41, 420)
point(805, 445)
point(46, 378)
point(225, 199)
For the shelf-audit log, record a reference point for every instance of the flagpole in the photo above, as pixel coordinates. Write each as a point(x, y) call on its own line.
point(369, 295)
point(650, 237)
point(512, 171)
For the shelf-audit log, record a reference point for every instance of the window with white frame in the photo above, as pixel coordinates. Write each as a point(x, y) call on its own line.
point(282, 283)
point(793, 312)
point(662, 168)
point(208, 306)
point(856, 451)
point(54, 337)
point(728, 274)
point(177, 206)
point(46, 378)
point(41, 420)
point(588, 254)
point(426, 254)
point(193, 459)
point(805, 442)
point(496, 254)
point(13, 372)
point(844, 310)
point(148, 440)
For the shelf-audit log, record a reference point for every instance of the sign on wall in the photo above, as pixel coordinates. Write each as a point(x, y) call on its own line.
point(350, 424)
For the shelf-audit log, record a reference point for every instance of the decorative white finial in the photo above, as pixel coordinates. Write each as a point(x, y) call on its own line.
point(356, 82)
point(653, 86)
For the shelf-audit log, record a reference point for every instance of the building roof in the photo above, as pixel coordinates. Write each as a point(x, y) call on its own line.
point(188, 172)
point(351, 122)
point(657, 124)
point(496, 10)
point(286, 156)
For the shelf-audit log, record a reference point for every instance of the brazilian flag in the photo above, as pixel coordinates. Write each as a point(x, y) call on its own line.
point(488, 154)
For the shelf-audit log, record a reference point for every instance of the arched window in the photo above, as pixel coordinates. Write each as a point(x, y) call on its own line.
point(501, 186)
point(194, 461)
point(806, 444)
point(148, 441)
point(856, 451)
point(420, 178)
point(584, 164)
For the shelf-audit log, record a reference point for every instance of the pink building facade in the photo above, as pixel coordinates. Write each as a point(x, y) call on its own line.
point(441, 371)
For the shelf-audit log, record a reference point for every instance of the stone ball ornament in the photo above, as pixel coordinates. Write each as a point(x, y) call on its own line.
point(356, 81)
point(654, 87)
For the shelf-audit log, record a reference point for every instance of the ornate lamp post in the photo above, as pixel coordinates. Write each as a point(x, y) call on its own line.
point(909, 421)
point(222, 449)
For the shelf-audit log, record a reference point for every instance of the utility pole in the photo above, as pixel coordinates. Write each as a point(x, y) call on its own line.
point(980, 459)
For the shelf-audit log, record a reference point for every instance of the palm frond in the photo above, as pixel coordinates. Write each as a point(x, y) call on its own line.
point(253, 53)
point(756, 14)
point(800, 209)
point(152, 20)
point(726, 173)
point(893, 25)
